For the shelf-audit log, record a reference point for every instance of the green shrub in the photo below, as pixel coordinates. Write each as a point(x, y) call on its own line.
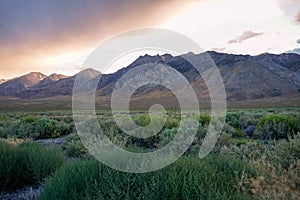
point(224, 141)
point(29, 119)
point(233, 119)
point(277, 127)
point(26, 164)
point(242, 120)
point(47, 128)
point(249, 119)
point(239, 133)
point(204, 120)
point(188, 178)
point(201, 133)
point(167, 136)
point(287, 152)
point(142, 120)
point(228, 129)
point(36, 128)
point(247, 152)
point(73, 146)
point(171, 123)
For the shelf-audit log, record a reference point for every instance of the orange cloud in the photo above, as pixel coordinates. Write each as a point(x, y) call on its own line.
point(298, 17)
point(244, 36)
point(34, 31)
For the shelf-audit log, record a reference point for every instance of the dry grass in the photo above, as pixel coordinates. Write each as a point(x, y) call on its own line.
point(12, 141)
point(273, 182)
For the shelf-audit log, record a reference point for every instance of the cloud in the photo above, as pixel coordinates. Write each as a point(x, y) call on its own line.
point(296, 50)
point(298, 41)
point(298, 17)
point(244, 36)
point(33, 31)
point(291, 8)
point(217, 49)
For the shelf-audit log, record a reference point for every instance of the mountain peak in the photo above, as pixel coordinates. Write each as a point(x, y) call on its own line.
point(37, 75)
point(57, 76)
point(89, 72)
point(52, 78)
point(21, 83)
point(145, 59)
point(2, 81)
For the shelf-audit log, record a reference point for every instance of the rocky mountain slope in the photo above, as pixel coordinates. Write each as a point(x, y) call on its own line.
point(16, 85)
point(49, 79)
point(245, 77)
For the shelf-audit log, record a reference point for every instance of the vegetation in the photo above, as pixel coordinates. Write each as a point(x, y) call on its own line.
point(287, 152)
point(277, 127)
point(29, 127)
point(257, 156)
point(26, 164)
point(73, 146)
point(188, 178)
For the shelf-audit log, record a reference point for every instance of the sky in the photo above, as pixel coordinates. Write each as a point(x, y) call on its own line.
point(57, 35)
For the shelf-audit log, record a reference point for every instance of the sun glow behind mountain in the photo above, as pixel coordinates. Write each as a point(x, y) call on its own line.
point(36, 37)
point(214, 23)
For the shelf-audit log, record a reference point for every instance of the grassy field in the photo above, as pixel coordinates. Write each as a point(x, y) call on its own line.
point(263, 163)
point(64, 103)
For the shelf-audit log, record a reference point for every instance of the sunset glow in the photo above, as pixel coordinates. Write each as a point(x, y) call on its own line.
point(213, 23)
point(37, 38)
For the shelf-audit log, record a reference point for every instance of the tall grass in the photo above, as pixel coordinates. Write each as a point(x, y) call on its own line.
point(187, 178)
point(26, 164)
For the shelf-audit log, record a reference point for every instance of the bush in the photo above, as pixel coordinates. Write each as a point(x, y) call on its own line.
point(171, 123)
point(26, 164)
point(188, 178)
point(142, 120)
point(233, 119)
point(167, 136)
point(204, 120)
point(201, 133)
point(36, 128)
point(239, 133)
point(249, 119)
point(246, 152)
point(228, 129)
point(73, 146)
point(277, 127)
point(47, 128)
point(224, 141)
point(242, 120)
point(273, 182)
point(287, 152)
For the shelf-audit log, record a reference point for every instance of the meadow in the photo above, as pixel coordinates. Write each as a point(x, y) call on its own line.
point(257, 156)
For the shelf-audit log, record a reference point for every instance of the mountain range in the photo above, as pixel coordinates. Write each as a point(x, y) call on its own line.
point(245, 78)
